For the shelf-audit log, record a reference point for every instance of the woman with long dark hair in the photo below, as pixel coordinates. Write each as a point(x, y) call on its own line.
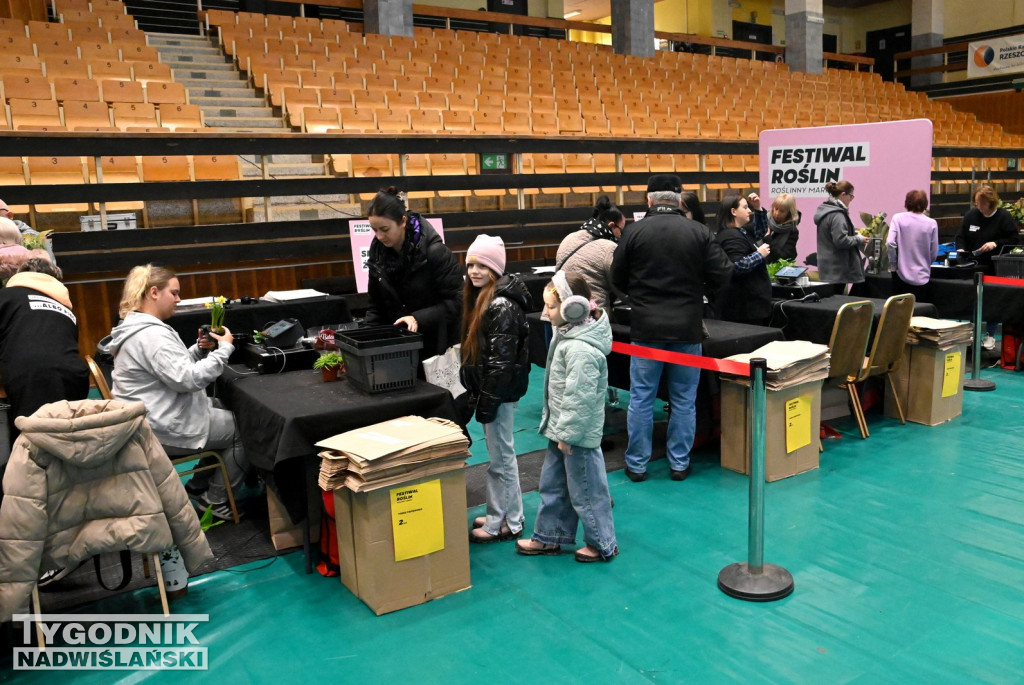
point(415, 280)
point(748, 297)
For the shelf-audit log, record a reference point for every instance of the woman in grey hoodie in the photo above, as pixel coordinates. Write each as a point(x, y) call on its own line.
point(153, 366)
point(839, 245)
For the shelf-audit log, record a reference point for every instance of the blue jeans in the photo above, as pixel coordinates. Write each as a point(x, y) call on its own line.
point(644, 376)
point(573, 490)
point(504, 496)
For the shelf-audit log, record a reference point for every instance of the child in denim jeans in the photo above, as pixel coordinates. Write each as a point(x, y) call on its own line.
point(573, 485)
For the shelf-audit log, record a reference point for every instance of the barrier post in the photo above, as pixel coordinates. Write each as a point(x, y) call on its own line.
point(975, 382)
point(754, 580)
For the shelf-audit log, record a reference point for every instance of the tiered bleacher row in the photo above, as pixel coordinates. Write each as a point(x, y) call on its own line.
point(94, 71)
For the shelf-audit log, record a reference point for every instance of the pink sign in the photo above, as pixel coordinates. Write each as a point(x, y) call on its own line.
point(361, 235)
point(883, 162)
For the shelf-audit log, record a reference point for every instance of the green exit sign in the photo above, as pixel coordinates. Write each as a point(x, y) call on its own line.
point(494, 163)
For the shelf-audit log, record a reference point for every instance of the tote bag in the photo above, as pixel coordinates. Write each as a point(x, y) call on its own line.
point(443, 370)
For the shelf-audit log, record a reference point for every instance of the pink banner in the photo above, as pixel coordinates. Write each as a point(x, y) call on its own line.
point(361, 235)
point(883, 161)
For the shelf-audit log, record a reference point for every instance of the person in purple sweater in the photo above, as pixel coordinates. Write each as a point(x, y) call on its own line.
point(913, 245)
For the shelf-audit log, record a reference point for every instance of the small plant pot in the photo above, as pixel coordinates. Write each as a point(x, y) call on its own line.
point(331, 373)
point(175, 574)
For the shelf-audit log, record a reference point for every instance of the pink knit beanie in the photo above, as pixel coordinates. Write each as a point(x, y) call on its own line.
point(489, 251)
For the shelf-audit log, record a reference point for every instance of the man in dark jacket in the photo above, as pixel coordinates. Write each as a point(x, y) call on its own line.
point(664, 263)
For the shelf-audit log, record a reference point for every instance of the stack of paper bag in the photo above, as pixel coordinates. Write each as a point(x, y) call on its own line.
point(391, 452)
point(940, 333)
point(790, 363)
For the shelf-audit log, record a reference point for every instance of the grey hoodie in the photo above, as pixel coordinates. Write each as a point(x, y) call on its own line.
point(153, 366)
point(575, 383)
point(839, 256)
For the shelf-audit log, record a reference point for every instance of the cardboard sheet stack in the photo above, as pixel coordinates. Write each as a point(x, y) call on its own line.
point(940, 333)
point(383, 454)
point(790, 363)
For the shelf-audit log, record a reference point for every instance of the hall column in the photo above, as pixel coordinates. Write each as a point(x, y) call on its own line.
point(926, 29)
point(389, 17)
point(805, 23)
point(633, 27)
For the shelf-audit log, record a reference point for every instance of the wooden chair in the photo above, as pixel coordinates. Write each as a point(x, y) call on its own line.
point(85, 114)
point(887, 350)
point(103, 387)
point(847, 348)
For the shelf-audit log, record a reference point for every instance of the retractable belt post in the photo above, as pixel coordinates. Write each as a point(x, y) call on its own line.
point(975, 382)
point(754, 580)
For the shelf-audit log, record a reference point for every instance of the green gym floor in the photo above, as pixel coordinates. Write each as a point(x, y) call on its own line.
point(907, 551)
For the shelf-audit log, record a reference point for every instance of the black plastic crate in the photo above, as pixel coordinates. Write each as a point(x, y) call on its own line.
point(380, 358)
point(1009, 264)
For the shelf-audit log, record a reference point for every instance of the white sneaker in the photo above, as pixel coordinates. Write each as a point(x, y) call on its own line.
point(988, 342)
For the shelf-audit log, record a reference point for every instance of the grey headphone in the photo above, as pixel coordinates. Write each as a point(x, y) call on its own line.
point(574, 308)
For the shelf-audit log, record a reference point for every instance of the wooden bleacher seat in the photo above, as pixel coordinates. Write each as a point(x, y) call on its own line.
point(425, 121)
point(314, 119)
point(336, 97)
point(15, 63)
point(44, 30)
point(133, 114)
point(76, 89)
point(115, 22)
point(71, 67)
point(14, 44)
point(96, 50)
point(147, 72)
point(401, 99)
point(112, 70)
point(38, 113)
point(358, 120)
point(459, 122)
point(80, 114)
point(488, 122)
point(392, 121)
point(321, 81)
point(122, 91)
point(27, 86)
point(177, 116)
point(57, 171)
point(160, 93)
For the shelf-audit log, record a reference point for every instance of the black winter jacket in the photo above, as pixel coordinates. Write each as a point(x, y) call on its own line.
point(748, 297)
point(664, 263)
point(502, 370)
point(783, 237)
point(424, 281)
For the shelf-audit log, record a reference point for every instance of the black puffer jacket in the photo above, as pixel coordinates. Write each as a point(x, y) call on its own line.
point(424, 281)
point(502, 370)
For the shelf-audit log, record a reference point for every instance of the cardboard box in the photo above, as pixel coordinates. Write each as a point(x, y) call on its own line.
point(736, 440)
point(918, 381)
point(366, 547)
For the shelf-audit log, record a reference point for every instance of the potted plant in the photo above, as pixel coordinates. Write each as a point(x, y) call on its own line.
point(330, 365)
point(875, 226)
point(217, 311)
point(172, 566)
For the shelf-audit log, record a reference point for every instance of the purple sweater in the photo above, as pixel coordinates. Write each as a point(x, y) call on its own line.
point(913, 244)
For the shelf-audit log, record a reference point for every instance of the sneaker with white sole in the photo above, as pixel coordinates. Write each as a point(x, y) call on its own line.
point(53, 575)
point(220, 510)
point(988, 342)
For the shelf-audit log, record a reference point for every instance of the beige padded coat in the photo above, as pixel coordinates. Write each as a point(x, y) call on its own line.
point(84, 478)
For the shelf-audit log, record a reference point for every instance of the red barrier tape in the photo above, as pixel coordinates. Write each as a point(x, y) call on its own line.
point(694, 360)
point(1003, 280)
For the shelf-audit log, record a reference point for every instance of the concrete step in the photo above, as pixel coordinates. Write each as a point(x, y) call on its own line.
point(200, 63)
point(304, 212)
point(197, 50)
point(221, 92)
point(307, 170)
point(197, 78)
point(183, 45)
point(246, 112)
point(242, 122)
point(282, 159)
point(214, 103)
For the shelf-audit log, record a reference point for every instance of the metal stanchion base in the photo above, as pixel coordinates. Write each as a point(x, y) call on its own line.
point(772, 583)
point(979, 385)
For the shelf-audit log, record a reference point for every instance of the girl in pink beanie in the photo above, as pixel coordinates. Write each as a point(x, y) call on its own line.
point(495, 372)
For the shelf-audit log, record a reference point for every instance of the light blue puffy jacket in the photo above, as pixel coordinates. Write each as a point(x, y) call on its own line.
point(575, 384)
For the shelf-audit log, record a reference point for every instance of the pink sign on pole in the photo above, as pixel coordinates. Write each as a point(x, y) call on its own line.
point(361, 235)
point(883, 161)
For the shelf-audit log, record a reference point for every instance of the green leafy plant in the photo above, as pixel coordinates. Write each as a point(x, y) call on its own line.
point(328, 360)
point(206, 521)
point(38, 241)
point(875, 225)
point(258, 337)
point(1016, 210)
point(217, 311)
point(774, 267)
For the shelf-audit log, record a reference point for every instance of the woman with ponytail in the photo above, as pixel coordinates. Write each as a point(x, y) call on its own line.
point(496, 373)
point(415, 280)
point(153, 366)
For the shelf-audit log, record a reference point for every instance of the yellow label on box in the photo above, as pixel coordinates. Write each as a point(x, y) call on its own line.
point(416, 520)
point(951, 375)
point(798, 423)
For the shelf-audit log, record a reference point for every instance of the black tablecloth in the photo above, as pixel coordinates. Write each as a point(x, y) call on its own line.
point(813, 321)
point(954, 298)
point(795, 292)
point(245, 318)
point(281, 416)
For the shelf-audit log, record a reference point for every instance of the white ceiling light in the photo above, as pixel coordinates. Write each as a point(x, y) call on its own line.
point(574, 13)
